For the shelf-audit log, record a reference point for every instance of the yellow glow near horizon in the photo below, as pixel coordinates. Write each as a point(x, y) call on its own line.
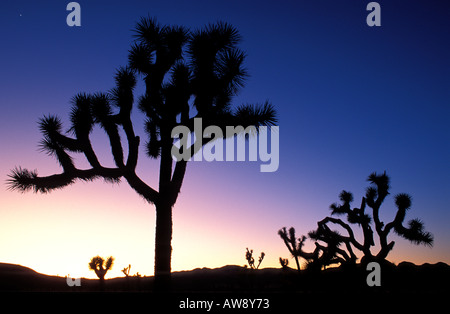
point(57, 234)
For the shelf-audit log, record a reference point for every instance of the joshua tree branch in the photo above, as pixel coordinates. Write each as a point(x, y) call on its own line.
point(376, 218)
point(345, 256)
point(68, 143)
point(90, 154)
point(328, 257)
point(351, 236)
point(133, 143)
point(24, 180)
point(310, 255)
point(177, 179)
point(116, 145)
point(350, 250)
point(148, 193)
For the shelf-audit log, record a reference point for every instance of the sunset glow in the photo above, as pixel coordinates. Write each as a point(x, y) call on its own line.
point(351, 100)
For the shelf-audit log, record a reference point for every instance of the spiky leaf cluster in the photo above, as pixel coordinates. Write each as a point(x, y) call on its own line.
point(191, 71)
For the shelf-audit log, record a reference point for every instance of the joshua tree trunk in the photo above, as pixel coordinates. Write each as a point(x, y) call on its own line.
point(163, 234)
point(102, 283)
point(163, 247)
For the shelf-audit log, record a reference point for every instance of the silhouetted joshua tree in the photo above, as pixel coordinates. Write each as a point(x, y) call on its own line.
point(290, 240)
point(251, 260)
point(284, 262)
point(98, 265)
point(187, 75)
point(333, 252)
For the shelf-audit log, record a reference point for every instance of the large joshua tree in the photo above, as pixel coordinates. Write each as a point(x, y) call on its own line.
point(187, 75)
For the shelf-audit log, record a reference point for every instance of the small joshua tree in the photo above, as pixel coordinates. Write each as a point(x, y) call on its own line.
point(251, 260)
point(98, 265)
point(290, 241)
point(284, 262)
point(260, 259)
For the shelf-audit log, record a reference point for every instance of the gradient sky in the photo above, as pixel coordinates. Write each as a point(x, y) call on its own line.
point(352, 99)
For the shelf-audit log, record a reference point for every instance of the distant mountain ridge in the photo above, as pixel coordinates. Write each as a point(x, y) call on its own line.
point(404, 276)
